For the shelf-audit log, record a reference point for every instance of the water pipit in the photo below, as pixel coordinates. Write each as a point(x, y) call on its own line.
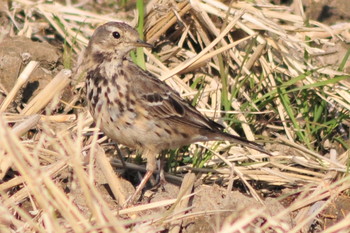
point(135, 108)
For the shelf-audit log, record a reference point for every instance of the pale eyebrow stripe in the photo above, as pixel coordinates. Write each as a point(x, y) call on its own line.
point(110, 28)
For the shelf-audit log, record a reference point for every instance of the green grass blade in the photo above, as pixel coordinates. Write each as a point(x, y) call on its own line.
point(345, 59)
point(139, 58)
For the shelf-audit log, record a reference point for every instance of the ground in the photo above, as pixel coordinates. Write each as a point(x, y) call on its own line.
point(211, 197)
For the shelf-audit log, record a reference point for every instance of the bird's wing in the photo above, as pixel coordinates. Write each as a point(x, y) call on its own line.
point(162, 102)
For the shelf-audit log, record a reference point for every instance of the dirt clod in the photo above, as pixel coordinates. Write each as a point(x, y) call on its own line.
point(15, 53)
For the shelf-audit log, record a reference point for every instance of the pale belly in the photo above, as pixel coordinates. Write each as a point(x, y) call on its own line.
point(136, 130)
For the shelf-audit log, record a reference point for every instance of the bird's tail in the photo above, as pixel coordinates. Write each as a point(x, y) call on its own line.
point(221, 136)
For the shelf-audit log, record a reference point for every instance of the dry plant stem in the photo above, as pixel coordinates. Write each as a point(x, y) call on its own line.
point(239, 174)
point(332, 191)
point(149, 206)
point(241, 117)
point(59, 118)
point(212, 54)
point(81, 16)
point(18, 130)
point(190, 61)
point(336, 164)
point(98, 207)
point(233, 54)
point(303, 213)
point(345, 95)
point(242, 221)
point(50, 171)
point(3, 89)
point(26, 125)
point(255, 56)
point(342, 226)
point(297, 170)
point(306, 216)
point(113, 180)
point(186, 189)
point(174, 79)
point(27, 166)
point(166, 22)
point(139, 188)
point(50, 18)
point(280, 109)
point(264, 174)
point(57, 84)
point(22, 79)
point(328, 192)
point(229, 186)
point(5, 164)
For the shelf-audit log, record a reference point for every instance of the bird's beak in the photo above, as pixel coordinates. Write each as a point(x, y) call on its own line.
point(141, 43)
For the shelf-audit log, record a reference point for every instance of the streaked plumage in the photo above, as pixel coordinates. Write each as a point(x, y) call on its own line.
point(135, 108)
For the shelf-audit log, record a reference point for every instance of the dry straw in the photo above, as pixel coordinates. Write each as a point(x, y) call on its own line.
point(45, 148)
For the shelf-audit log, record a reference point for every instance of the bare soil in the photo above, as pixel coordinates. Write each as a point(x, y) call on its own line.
point(15, 53)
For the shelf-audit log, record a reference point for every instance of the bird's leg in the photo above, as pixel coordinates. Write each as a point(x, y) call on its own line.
point(162, 180)
point(120, 155)
point(150, 167)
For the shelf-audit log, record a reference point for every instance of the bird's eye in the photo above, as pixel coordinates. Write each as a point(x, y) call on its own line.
point(116, 35)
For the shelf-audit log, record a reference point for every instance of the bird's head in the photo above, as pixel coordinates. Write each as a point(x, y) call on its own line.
point(114, 39)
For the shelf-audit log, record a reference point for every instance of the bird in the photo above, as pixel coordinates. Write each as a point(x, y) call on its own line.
point(135, 108)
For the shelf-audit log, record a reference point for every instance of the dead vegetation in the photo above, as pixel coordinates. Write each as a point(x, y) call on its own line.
point(258, 69)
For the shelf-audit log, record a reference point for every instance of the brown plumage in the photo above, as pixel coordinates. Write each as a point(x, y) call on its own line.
point(135, 108)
